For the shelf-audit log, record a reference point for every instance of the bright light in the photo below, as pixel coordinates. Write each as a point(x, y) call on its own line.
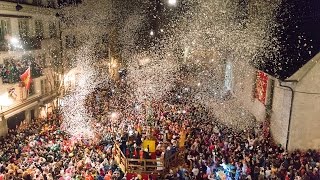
point(5, 100)
point(161, 30)
point(172, 2)
point(199, 84)
point(14, 41)
point(151, 33)
point(114, 65)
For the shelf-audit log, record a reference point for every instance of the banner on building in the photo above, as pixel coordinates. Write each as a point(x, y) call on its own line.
point(26, 78)
point(261, 86)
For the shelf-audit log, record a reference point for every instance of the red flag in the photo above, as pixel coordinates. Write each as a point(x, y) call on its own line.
point(26, 78)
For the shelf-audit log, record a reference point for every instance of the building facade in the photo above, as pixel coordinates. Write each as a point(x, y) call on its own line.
point(295, 112)
point(29, 38)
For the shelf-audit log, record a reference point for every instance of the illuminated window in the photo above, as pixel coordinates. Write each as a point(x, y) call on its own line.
point(23, 28)
point(52, 30)
point(4, 29)
point(39, 29)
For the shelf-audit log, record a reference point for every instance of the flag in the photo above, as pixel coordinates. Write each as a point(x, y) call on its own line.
point(26, 78)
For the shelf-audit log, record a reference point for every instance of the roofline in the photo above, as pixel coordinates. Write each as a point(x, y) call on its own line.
point(305, 69)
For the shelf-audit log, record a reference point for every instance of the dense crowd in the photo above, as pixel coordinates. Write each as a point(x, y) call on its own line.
point(40, 150)
point(209, 150)
point(11, 70)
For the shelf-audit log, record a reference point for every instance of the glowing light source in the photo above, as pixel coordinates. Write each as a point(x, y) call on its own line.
point(172, 2)
point(14, 41)
point(151, 33)
point(5, 101)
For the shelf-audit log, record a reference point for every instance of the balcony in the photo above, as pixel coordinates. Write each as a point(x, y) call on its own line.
point(23, 44)
point(10, 73)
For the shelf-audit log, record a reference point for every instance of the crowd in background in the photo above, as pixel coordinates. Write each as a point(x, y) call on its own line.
point(208, 149)
point(11, 70)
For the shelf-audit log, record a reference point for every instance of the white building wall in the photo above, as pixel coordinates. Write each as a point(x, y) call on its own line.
point(280, 114)
point(305, 123)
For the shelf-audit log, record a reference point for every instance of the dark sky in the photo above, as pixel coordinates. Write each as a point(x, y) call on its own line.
point(299, 37)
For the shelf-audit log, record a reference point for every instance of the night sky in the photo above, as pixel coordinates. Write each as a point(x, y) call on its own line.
point(299, 36)
point(298, 33)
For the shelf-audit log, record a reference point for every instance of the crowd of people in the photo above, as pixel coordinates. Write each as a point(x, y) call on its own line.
point(40, 150)
point(208, 149)
point(11, 70)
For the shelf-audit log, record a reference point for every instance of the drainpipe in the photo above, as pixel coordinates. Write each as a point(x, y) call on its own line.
point(291, 107)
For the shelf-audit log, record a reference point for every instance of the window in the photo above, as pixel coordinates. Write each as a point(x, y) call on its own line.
point(36, 2)
point(39, 29)
point(42, 87)
point(51, 3)
point(4, 29)
point(52, 30)
point(31, 90)
point(23, 28)
point(44, 61)
point(70, 41)
point(104, 39)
